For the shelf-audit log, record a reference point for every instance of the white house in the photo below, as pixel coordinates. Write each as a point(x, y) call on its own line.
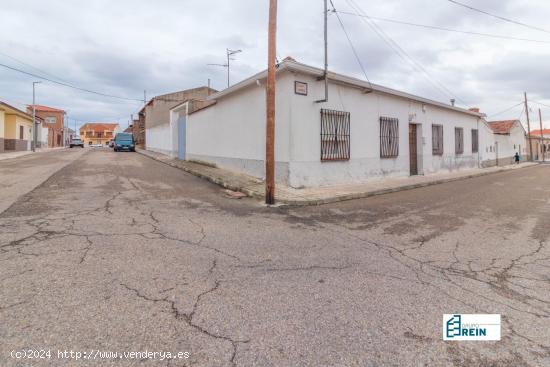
point(363, 131)
point(509, 138)
point(160, 133)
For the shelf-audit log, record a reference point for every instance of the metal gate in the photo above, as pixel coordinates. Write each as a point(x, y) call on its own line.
point(335, 135)
point(181, 137)
point(413, 150)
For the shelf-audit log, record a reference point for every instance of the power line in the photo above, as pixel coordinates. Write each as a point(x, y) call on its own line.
point(498, 16)
point(447, 29)
point(506, 110)
point(70, 85)
point(350, 43)
point(542, 104)
point(400, 51)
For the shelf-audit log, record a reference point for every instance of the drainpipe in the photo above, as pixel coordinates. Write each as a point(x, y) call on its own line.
point(325, 74)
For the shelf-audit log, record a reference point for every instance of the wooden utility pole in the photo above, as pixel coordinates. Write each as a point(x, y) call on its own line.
point(270, 105)
point(528, 127)
point(542, 145)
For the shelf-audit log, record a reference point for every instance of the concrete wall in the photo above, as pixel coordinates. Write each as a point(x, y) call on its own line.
point(306, 168)
point(231, 134)
point(159, 139)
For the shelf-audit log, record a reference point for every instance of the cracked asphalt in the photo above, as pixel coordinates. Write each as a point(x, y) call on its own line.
point(118, 252)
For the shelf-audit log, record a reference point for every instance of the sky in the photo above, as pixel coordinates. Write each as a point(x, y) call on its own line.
point(124, 47)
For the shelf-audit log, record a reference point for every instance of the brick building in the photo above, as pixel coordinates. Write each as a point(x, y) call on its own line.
point(54, 120)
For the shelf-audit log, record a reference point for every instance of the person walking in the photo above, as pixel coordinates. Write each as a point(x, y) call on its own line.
point(516, 158)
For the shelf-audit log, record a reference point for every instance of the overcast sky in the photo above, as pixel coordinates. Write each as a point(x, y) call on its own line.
point(124, 47)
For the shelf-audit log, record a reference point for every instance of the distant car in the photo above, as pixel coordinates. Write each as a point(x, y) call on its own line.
point(76, 142)
point(124, 141)
point(96, 145)
point(111, 143)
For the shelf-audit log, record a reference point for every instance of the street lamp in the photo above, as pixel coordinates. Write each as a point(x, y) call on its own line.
point(34, 129)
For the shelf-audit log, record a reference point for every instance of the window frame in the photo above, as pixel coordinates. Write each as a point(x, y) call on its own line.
point(475, 142)
point(389, 137)
point(436, 150)
point(459, 140)
point(335, 137)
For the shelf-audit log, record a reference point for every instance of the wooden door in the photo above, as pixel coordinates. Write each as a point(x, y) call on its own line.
point(413, 152)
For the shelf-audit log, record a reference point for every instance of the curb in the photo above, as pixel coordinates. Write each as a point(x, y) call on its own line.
point(315, 202)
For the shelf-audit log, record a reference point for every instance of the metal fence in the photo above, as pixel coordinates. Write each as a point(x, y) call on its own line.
point(335, 135)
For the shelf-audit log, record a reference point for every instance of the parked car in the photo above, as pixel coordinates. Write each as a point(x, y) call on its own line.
point(111, 143)
point(76, 142)
point(124, 141)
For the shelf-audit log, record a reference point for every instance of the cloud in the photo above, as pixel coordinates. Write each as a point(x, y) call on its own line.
point(125, 47)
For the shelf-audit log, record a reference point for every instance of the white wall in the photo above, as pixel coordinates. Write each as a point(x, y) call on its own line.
point(365, 163)
point(159, 139)
point(231, 133)
point(508, 145)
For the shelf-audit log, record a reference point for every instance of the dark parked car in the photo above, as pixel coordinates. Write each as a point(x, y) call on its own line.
point(124, 141)
point(76, 142)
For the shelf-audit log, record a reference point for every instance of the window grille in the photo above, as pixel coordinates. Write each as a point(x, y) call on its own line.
point(335, 135)
point(437, 139)
point(459, 140)
point(389, 137)
point(475, 141)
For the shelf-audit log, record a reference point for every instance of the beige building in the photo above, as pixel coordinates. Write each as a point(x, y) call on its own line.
point(15, 129)
point(94, 133)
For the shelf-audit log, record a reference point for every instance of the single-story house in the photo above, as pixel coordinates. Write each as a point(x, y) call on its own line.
point(363, 131)
point(15, 129)
point(159, 132)
point(509, 138)
point(541, 144)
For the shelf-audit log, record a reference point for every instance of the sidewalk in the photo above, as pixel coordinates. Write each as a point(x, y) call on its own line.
point(11, 155)
point(254, 187)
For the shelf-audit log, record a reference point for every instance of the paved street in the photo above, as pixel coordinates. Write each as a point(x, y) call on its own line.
point(118, 252)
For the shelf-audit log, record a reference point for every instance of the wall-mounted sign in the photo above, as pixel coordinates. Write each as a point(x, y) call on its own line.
point(300, 88)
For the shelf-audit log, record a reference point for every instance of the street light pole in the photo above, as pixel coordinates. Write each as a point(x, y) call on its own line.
point(542, 145)
point(34, 128)
point(270, 105)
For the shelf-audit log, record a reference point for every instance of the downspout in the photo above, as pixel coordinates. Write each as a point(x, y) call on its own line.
point(325, 74)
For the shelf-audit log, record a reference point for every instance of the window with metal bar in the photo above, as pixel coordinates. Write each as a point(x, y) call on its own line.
point(335, 135)
point(437, 139)
point(475, 141)
point(389, 137)
point(459, 140)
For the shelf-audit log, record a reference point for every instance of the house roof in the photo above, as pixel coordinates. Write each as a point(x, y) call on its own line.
point(98, 126)
point(169, 97)
point(45, 108)
point(502, 127)
point(292, 65)
point(537, 132)
point(13, 110)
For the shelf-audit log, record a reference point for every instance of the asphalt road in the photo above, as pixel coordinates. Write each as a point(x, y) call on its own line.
point(117, 252)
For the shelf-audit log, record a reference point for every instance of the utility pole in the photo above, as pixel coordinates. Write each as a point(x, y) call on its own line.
point(144, 97)
point(528, 127)
point(34, 127)
point(270, 105)
point(325, 75)
point(542, 145)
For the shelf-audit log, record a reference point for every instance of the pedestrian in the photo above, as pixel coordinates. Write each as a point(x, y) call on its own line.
point(516, 158)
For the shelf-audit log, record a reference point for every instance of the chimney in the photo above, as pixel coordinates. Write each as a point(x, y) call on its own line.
point(474, 109)
point(453, 102)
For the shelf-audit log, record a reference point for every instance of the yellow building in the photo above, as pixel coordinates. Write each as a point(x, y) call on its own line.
point(15, 129)
point(94, 133)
